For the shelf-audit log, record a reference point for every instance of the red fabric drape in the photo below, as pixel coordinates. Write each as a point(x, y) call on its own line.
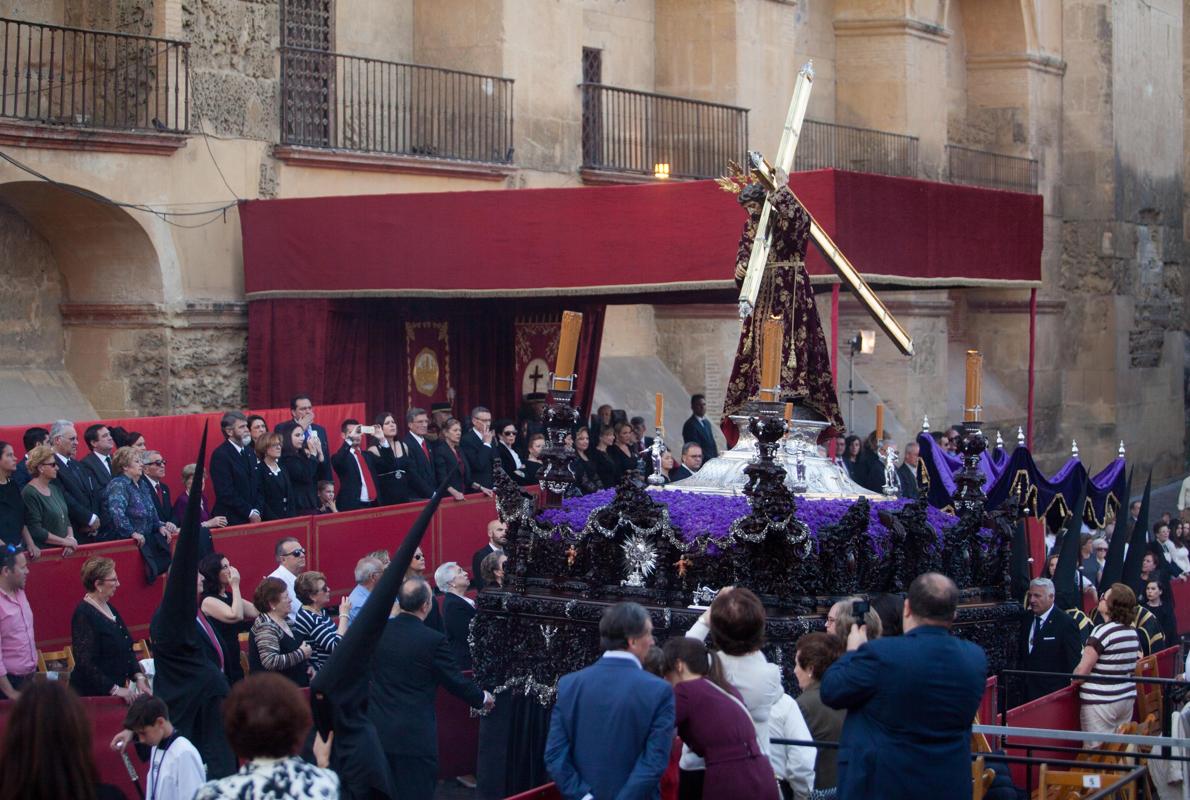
point(355, 349)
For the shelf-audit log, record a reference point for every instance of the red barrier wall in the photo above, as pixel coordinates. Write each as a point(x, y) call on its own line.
point(334, 543)
point(176, 437)
point(1181, 604)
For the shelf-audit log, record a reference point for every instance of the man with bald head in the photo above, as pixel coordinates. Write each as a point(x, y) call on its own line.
point(886, 685)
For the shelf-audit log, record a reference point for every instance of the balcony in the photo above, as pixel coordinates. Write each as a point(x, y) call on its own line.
point(824, 145)
point(347, 111)
point(627, 132)
point(67, 87)
point(992, 170)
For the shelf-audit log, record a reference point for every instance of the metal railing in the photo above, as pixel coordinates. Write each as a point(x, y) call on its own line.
point(825, 145)
point(993, 170)
point(74, 77)
point(352, 103)
point(642, 132)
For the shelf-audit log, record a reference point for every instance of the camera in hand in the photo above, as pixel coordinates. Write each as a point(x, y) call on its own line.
point(860, 609)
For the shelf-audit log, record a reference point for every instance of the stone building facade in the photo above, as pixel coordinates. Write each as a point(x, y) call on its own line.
point(118, 311)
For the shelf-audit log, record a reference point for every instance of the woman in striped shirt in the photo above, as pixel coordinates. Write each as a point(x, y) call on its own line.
point(1111, 652)
point(313, 624)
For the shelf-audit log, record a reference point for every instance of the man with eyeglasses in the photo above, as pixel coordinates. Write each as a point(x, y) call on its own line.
point(76, 483)
point(154, 465)
point(291, 560)
point(477, 447)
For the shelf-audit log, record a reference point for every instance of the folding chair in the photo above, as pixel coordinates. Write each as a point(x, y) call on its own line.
point(1064, 785)
point(49, 661)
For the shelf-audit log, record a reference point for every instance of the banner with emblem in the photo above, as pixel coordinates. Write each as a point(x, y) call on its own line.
point(536, 347)
point(427, 353)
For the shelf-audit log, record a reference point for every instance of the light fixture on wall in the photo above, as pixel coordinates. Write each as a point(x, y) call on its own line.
point(863, 342)
point(661, 171)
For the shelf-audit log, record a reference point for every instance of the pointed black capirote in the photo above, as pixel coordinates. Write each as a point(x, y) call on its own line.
point(348, 664)
point(1067, 577)
point(1113, 565)
point(1136, 540)
point(180, 599)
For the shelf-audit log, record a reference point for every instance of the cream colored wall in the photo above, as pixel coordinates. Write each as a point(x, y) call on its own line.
point(375, 30)
point(460, 34)
point(625, 32)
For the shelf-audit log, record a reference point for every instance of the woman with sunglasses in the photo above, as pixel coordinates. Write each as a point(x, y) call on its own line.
point(313, 624)
point(510, 459)
point(417, 569)
point(128, 512)
point(46, 514)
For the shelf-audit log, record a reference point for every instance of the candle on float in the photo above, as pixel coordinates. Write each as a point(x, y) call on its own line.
point(659, 411)
point(572, 323)
point(771, 342)
point(971, 399)
point(879, 423)
point(789, 412)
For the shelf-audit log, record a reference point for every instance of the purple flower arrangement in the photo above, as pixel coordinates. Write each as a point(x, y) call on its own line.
point(708, 515)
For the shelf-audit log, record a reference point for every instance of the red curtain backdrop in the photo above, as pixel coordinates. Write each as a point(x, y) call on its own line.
point(356, 349)
point(624, 240)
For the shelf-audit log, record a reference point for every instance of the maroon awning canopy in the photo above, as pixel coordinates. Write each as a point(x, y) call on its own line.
point(658, 239)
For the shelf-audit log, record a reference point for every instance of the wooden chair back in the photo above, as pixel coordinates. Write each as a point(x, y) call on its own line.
point(1148, 695)
point(50, 659)
point(1072, 785)
point(243, 640)
point(979, 742)
point(141, 650)
point(981, 778)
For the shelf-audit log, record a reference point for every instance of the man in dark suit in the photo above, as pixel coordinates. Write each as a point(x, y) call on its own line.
point(356, 469)
point(457, 610)
point(410, 662)
point(30, 439)
point(497, 539)
point(302, 409)
point(154, 466)
point(643, 442)
point(478, 447)
point(99, 461)
point(421, 457)
point(612, 726)
point(77, 484)
point(1049, 641)
point(885, 685)
point(691, 462)
point(232, 473)
point(698, 428)
point(907, 471)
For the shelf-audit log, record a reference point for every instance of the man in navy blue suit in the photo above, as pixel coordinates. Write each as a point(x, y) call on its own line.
point(910, 702)
point(233, 473)
point(613, 724)
point(698, 428)
point(421, 455)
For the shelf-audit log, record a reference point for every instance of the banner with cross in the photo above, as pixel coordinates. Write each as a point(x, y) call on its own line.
point(536, 348)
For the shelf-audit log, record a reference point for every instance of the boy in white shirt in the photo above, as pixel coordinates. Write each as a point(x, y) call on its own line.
point(176, 770)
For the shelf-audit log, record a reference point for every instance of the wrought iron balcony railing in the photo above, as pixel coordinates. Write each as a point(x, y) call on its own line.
point(73, 77)
point(824, 145)
point(646, 133)
point(343, 102)
point(993, 170)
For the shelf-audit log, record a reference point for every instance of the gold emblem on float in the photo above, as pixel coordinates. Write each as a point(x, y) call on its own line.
point(426, 372)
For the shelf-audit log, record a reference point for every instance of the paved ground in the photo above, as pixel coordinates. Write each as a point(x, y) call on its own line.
point(451, 790)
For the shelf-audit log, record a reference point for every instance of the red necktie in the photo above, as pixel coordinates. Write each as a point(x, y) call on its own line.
point(425, 449)
point(206, 626)
point(366, 473)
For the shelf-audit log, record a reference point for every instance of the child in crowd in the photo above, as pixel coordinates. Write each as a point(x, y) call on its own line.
point(176, 770)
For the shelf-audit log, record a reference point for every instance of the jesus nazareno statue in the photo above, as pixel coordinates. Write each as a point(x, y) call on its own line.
point(785, 292)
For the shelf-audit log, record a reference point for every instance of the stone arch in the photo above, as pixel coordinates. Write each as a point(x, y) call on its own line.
point(104, 254)
point(81, 322)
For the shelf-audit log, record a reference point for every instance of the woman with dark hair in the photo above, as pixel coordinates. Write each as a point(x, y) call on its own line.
point(735, 623)
point(104, 663)
point(889, 608)
point(257, 427)
point(299, 460)
point(601, 457)
point(815, 652)
point(135, 440)
point(506, 448)
point(851, 448)
point(491, 569)
point(1111, 652)
point(47, 748)
point(586, 476)
point(266, 720)
point(226, 609)
point(392, 461)
point(272, 645)
point(868, 470)
point(715, 724)
point(1162, 610)
point(272, 482)
point(448, 460)
point(533, 463)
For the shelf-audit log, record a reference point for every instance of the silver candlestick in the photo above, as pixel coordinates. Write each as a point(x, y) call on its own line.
point(656, 450)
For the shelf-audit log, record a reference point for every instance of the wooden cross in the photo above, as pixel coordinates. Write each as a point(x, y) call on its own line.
point(762, 244)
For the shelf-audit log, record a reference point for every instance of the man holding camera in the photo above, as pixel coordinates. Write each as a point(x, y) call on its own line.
point(355, 467)
point(302, 409)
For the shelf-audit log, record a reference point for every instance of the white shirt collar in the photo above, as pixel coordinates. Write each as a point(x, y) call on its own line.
point(416, 438)
point(623, 654)
point(1046, 615)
